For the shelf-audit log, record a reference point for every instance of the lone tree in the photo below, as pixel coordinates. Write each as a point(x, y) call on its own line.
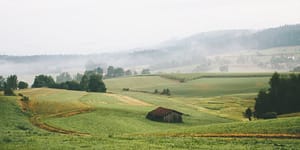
point(248, 113)
point(12, 82)
point(96, 84)
point(22, 85)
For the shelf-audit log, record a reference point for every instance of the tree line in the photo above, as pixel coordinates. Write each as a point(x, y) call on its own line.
point(113, 72)
point(11, 83)
point(91, 80)
point(282, 97)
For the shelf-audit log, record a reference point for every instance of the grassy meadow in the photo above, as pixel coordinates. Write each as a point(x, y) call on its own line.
point(116, 120)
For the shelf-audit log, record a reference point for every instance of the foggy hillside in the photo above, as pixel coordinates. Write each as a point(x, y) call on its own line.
point(232, 40)
point(201, 52)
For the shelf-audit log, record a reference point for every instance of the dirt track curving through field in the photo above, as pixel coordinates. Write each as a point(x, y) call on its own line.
point(36, 120)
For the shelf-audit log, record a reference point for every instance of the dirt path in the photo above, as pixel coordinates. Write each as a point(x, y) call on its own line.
point(129, 100)
point(226, 135)
point(37, 120)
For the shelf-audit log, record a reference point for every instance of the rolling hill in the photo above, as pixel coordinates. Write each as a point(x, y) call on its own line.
point(62, 119)
point(203, 52)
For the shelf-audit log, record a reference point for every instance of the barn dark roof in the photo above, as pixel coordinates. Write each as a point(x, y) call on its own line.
point(161, 111)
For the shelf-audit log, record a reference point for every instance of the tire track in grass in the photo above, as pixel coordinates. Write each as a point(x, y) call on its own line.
point(36, 120)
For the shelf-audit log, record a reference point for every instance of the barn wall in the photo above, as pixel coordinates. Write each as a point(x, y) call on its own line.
point(173, 117)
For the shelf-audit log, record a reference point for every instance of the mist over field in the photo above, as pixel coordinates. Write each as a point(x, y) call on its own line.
point(267, 50)
point(164, 36)
point(149, 74)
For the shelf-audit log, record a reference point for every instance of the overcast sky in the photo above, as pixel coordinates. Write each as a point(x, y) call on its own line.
point(94, 26)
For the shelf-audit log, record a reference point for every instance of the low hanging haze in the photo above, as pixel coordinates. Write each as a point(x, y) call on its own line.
point(94, 26)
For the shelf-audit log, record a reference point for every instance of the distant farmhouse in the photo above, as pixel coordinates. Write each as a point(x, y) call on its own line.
point(165, 115)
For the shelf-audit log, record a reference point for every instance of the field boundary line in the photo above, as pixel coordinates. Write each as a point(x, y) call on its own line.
point(226, 135)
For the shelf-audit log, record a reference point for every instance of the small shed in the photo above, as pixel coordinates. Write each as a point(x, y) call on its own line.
point(162, 114)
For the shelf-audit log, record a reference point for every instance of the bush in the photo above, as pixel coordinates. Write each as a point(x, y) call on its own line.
point(6, 140)
point(165, 92)
point(125, 89)
point(25, 98)
point(22, 127)
point(181, 80)
point(269, 115)
point(20, 94)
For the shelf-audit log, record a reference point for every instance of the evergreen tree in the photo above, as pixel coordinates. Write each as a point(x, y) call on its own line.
point(282, 97)
point(2, 81)
point(12, 82)
point(84, 82)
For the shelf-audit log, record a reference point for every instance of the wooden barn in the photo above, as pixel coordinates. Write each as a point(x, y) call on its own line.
point(165, 115)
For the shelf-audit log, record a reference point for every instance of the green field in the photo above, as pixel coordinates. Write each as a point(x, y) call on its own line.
point(116, 120)
point(200, 87)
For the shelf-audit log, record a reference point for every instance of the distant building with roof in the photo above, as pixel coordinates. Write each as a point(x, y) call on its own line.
point(162, 114)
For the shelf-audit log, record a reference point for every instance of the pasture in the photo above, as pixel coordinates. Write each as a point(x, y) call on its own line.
point(63, 119)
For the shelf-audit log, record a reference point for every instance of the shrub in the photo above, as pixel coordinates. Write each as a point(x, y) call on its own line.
point(20, 94)
point(125, 89)
point(181, 80)
point(6, 140)
point(165, 92)
point(22, 127)
point(25, 98)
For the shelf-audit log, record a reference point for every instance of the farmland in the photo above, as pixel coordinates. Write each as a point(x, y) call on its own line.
point(212, 104)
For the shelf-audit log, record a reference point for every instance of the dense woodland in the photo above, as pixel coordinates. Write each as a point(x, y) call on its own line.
point(282, 97)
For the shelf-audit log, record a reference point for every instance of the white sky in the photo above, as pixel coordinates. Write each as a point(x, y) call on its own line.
point(94, 26)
